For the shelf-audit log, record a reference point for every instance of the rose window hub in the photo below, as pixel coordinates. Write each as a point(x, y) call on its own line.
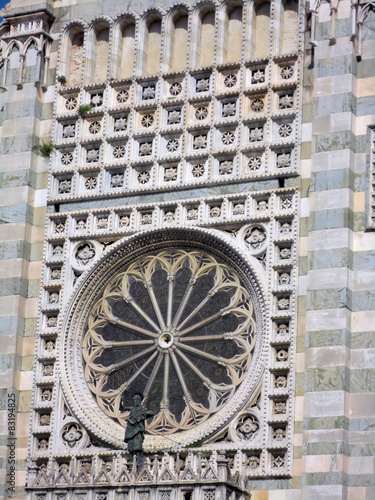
point(166, 340)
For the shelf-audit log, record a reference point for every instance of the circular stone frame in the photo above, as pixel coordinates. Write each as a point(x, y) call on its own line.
point(71, 366)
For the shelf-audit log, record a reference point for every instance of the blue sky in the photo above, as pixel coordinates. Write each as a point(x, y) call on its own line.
point(3, 4)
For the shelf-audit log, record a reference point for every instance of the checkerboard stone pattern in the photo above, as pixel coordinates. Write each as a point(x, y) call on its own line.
point(334, 366)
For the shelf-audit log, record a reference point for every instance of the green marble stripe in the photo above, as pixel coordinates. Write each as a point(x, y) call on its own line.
point(359, 480)
point(275, 484)
point(330, 219)
point(299, 384)
point(325, 338)
point(339, 448)
point(332, 378)
point(43, 110)
point(19, 285)
point(303, 265)
point(339, 65)
point(362, 424)
point(15, 249)
point(175, 195)
point(325, 448)
point(366, 68)
point(315, 423)
point(362, 380)
point(30, 327)
point(343, 29)
point(23, 177)
point(304, 227)
point(18, 143)
point(24, 404)
point(336, 257)
point(325, 478)
point(330, 298)
point(13, 214)
point(333, 142)
point(364, 106)
point(16, 361)
point(298, 427)
point(331, 179)
point(360, 340)
point(334, 103)
point(21, 249)
point(14, 324)
point(334, 298)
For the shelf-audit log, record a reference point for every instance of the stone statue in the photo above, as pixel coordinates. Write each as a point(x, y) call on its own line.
point(135, 429)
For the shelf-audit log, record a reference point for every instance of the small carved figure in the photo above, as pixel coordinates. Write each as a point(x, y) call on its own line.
point(135, 429)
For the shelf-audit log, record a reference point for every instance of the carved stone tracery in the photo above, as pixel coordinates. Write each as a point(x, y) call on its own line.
point(156, 341)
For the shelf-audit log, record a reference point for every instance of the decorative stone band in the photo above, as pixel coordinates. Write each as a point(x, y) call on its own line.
point(202, 473)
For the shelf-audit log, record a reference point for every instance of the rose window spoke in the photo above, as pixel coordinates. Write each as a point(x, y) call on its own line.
point(177, 326)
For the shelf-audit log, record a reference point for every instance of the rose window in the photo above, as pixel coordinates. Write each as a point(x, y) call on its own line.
point(178, 326)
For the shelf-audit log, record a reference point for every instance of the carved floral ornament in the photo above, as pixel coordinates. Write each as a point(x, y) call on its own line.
point(174, 319)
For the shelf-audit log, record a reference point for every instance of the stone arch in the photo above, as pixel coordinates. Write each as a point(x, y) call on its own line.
point(72, 53)
point(232, 32)
point(203, 48)
point(14, 63)
point(151, 43)
point(289, 27)
point(177, 42)
point(98, 51)
point(261, 29)
point(31, 67)
point(124, 47)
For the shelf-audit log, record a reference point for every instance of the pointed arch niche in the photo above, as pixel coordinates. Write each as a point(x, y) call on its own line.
point(232, 32)
point(151, 44)
point(289, 27)
point(126, 46)
point(98, 53)
point(178, 40)
point(72, 55)
point(14, 64)
point(260, 43)
point(31, 67)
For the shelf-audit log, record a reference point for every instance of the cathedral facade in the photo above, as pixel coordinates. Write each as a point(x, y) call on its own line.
point(187, 213)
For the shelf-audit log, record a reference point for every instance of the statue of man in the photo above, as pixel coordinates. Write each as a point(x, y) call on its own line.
point(135, 429)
